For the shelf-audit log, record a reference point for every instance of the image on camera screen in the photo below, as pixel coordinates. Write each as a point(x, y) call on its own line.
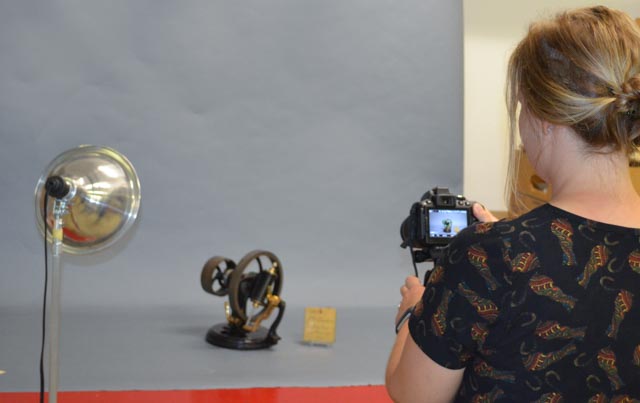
point(446, 223)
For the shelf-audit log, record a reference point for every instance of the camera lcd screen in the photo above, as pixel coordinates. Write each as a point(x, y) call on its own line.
point(446, 223)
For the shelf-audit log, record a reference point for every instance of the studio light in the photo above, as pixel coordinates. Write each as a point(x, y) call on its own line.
point(86, 200)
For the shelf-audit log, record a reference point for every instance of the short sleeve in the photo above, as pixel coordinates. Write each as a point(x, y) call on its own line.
point(457, 310)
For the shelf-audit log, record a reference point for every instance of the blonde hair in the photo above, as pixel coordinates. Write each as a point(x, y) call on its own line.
point(580, 69)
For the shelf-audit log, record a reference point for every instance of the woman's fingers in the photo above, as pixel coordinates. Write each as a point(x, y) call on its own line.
point(411, 281)
point(482, 214)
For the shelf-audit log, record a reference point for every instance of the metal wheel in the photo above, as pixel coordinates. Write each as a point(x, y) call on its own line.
point(214, 278)
point(241, 283)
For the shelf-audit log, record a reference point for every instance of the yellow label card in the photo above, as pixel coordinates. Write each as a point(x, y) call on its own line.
point(319, 325)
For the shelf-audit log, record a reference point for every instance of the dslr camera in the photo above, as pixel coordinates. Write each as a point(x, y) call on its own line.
point(433, 221)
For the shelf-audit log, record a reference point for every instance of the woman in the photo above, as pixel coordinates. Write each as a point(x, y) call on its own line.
point(544, 307)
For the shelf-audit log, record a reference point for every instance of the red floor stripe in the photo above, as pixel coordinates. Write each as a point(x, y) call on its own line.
point(351, 394)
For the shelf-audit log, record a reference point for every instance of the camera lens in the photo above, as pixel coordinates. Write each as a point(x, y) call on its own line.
point(404, 229)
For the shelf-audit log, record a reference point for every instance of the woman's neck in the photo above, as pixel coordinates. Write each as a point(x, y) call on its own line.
point(598, 187)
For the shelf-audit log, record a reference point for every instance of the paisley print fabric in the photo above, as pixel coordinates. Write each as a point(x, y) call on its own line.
point(541, 308)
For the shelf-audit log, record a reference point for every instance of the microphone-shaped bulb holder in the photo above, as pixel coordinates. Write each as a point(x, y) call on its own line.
point(57, 187)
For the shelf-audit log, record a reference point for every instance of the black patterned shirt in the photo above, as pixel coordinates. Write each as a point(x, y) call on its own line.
point(542, 308)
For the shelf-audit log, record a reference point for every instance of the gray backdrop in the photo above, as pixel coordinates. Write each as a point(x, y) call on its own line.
point(303, 127)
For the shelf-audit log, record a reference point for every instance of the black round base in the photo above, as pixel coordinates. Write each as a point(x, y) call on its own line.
point(224, 335)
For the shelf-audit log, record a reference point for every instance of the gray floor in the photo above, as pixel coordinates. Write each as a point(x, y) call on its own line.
point(164, 348)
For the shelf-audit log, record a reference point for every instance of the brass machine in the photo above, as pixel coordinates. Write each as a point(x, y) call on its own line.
point(253, 296)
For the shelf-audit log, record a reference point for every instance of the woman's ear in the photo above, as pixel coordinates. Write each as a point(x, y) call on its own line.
point(548, 127)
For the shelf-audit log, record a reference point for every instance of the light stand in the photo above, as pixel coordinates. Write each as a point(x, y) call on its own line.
point(95, 193)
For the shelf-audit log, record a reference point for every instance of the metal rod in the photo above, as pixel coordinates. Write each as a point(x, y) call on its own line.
point(56, 284)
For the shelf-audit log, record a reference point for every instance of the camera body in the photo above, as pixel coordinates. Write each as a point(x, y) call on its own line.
point(433, 221)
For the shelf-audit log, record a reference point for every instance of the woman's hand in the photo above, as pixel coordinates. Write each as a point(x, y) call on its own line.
point(482, 214)
point(411, 292)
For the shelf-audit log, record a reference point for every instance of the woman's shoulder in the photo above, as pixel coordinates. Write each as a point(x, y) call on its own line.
point(490, 242)
point(488, 232)
point(541, 216)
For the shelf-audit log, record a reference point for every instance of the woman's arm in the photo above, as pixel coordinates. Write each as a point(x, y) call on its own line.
point(412, 376)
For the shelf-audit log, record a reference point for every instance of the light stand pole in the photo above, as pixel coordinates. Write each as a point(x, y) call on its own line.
point(62, 191)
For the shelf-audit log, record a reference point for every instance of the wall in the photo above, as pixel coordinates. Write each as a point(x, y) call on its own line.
point(307, 128)
point(492, 29)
